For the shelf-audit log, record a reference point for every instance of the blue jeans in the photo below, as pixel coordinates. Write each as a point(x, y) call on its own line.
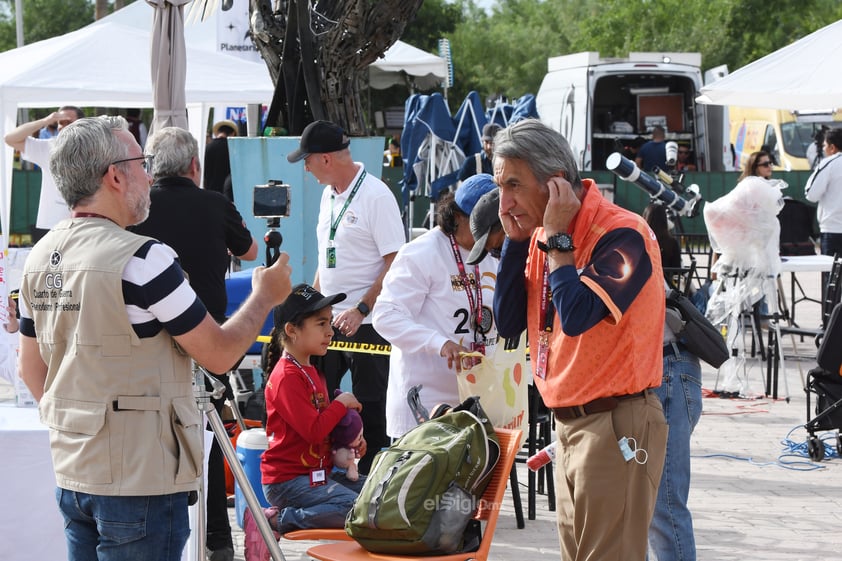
point(302, 506)
point(671, 530)
point(106, 528)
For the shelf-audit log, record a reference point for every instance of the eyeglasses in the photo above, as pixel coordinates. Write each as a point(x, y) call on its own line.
point(764, 164)
point(684, 151)
point(146, 163)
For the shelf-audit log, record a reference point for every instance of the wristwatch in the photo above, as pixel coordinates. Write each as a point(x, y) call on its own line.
point(363, 308)
point(559, 242)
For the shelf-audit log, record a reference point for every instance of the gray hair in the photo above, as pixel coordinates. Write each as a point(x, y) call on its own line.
point(82, 154)
point(544, 150)
point(174, 148)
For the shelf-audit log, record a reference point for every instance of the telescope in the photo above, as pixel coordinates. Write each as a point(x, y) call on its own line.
point(672, 153)
point(625, 169)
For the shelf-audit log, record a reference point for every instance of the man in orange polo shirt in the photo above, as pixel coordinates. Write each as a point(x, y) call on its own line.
point(584, 276)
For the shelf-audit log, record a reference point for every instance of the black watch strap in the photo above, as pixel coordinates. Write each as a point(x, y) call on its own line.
point(560, 242)
point(363, 308)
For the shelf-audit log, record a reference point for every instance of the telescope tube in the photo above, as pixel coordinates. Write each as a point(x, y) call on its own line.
point(627, 170)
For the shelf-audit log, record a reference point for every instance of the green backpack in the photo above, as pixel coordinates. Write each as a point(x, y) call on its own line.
point(423, 491)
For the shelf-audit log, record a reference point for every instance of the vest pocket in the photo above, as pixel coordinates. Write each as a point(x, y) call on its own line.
point(186, 425)
point(80, 448)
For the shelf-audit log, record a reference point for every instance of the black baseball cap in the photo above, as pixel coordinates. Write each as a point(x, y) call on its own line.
point(303, 300)
point(319, 137)
point(484, 220)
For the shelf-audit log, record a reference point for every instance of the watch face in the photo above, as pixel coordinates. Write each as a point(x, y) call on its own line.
point(561, 242)
point(363, 308)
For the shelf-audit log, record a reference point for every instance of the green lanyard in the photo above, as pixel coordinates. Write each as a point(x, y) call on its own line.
point(334, 224)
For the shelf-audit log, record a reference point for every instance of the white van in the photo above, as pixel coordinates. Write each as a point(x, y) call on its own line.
point(601, 105)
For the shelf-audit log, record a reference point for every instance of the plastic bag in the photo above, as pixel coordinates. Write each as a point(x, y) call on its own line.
point(502, 383)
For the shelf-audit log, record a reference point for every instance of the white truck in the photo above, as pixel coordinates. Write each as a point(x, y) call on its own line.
point(602, 105)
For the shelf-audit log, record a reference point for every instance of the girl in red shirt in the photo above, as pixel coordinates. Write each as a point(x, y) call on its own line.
point(297, 475)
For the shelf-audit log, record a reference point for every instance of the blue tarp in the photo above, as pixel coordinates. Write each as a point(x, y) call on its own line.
point(505, 114)
point(469, 122)
point(424, 115)
point(434, 144)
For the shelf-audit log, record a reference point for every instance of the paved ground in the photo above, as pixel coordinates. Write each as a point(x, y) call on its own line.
point(752, 497)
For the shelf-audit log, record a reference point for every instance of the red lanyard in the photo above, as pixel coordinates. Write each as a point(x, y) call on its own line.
point(475, 306)
point(293, 360)
point(76, 214)
point(547, 307)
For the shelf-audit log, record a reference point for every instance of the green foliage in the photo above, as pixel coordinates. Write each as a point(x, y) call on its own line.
point(434, 19)
point(506, 51)
point(43, 19)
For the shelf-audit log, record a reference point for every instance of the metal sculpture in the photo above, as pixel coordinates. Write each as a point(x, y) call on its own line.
point(317, 51)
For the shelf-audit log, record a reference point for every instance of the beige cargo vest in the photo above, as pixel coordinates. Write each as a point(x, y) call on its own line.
point(121, 411)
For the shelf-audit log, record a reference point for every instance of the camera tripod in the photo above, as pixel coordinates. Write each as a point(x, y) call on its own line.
point(203, 402)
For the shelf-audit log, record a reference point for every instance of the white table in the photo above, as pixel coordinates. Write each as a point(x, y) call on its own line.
point(802, 264)
point(31, 525)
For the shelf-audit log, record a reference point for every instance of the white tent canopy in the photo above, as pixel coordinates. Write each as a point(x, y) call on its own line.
point(803, 76)
point(107, 64)
point(427, 69)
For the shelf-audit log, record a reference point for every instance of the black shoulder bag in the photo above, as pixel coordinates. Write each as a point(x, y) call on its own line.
point(694, 331)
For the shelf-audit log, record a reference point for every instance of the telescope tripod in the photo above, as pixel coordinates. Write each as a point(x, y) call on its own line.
point(744, 290)
point(203, 402)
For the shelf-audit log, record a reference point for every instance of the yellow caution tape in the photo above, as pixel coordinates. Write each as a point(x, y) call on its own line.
point(348, 346)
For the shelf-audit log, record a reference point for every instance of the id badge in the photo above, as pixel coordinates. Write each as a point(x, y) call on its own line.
point(331, 258)
point(317, 478)
point(541, 358)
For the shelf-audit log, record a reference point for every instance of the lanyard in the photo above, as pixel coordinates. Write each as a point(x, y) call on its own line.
point(475, 306)
point(547, 308)
point(293, 360)
point(76, 214)
point(334, 224)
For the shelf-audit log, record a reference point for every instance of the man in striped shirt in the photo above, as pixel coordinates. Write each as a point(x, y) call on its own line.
point(108, 327)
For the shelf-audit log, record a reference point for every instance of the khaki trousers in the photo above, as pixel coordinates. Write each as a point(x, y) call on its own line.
point(604, 503)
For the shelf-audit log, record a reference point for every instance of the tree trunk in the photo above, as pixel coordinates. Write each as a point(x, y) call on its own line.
point(100, 9)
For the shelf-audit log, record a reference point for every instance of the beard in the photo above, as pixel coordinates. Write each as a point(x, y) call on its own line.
point(139, 203)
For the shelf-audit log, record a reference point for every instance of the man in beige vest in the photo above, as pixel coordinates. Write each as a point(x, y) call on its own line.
point(108, 327)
